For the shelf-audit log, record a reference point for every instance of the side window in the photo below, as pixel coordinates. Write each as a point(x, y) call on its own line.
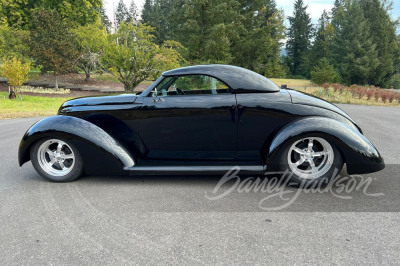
point(191, 85)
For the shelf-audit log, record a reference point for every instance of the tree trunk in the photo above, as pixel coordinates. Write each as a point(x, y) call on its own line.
point(87, 76)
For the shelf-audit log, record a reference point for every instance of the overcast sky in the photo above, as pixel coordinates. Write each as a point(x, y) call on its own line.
point(315, 7)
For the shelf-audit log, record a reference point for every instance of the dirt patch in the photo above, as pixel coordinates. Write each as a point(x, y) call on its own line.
point(71, 94)
point(79, 79)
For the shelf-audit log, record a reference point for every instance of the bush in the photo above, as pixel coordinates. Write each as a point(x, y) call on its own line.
point(370, 92)
point(15, 71)
point(395, 82)
point(377, 95)
point(392, 96)
point(323, 72)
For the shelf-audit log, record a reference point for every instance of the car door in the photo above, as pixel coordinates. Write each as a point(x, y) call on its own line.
point(191, 118)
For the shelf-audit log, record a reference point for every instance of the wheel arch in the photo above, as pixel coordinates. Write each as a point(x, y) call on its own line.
point(358, 152)
point(90, 140)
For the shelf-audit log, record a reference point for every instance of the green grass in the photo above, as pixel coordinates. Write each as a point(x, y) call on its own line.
point(292, 82)
point(29, 106)
point(346, 97)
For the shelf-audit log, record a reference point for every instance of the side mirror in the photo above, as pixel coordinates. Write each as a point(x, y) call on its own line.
point(155, 98)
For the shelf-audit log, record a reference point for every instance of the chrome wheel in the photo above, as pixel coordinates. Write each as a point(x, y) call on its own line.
point(310, 158)
point(56, 157)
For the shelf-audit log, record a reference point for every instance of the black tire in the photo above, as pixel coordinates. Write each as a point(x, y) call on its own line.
point(75, 171)
point(299, 181)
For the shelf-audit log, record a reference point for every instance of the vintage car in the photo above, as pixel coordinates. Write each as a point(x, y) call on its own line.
point(201, 119)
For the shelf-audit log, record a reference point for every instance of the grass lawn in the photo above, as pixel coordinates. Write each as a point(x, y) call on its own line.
point(292, 82)
point(347, 98)
point(30, 106)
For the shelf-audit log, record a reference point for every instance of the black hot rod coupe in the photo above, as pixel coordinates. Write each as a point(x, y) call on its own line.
point(200, 119)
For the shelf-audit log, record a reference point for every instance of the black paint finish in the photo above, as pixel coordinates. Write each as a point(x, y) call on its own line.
point(249, 127)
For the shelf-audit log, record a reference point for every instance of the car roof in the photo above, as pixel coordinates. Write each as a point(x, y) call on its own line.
point(237, 78)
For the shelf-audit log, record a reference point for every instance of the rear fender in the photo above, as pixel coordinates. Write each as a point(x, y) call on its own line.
point(358, 152)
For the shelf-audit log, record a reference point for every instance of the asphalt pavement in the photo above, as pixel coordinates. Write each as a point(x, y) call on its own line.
point(194, 221)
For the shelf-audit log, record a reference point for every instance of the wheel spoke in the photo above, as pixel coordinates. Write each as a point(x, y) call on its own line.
point(59, 146)
point(299, 162)
point(310, 144)
point(52, 161)
point(313, 167)
point(67, 156)
point(299, 151)
point(49, 152)
point(320, 153)
point(62, 165)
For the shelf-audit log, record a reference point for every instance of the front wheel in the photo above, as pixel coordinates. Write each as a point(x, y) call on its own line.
point(56, 160)
point(311, 160)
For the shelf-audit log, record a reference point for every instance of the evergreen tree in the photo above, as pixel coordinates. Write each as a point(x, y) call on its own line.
point(104, 18)
point(324, 34)
point(147, 12)
point(121, 14)
point(299, 36)
point(353, 53)
point(383, 35)
point(158, 15)
point(133, 13)
point(205, 28)
point(260, 30)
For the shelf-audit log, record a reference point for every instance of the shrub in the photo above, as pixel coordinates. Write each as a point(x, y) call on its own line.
point(370, 92)
point(326, 88)
point(361, 92)
point(385, 96)
point(354, 90)
point(336, 87)
point(323, 72)
point(15, 71)
point(392, 96)
point(377, 95)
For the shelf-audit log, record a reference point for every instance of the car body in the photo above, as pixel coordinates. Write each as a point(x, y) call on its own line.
point(201, 119)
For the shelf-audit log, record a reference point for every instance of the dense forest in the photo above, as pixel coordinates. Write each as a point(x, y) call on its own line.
point(354, 43)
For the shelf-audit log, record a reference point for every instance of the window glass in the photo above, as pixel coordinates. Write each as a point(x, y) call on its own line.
point(191, 85)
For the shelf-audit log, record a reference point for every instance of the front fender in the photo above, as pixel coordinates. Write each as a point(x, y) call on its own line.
point(358, 152)
point(88, 139)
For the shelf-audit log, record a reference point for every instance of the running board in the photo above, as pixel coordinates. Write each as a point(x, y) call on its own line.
point(194, 170)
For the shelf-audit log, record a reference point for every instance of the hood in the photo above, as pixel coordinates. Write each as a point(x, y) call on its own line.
point(307, 99)
point(101, 100)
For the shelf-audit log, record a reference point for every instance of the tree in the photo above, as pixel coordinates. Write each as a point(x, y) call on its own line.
point(147, 12)
point(90, 40)
point(104, 18)
point(260, 31)
point(323, 39)
point(133, 13)
point(158, 14)
point(382, 31)
point(53, 43)
point(323, 72)
point(15, 71)
point(354, 54)
point(134, 57)
point(14, 43)
point(299, 36)
point(18, 13)
point(169, 57)
point(206, 28)
point(122, 14)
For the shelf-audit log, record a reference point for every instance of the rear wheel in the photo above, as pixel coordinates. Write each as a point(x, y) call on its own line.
point(311, 160)
point(56, 160)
